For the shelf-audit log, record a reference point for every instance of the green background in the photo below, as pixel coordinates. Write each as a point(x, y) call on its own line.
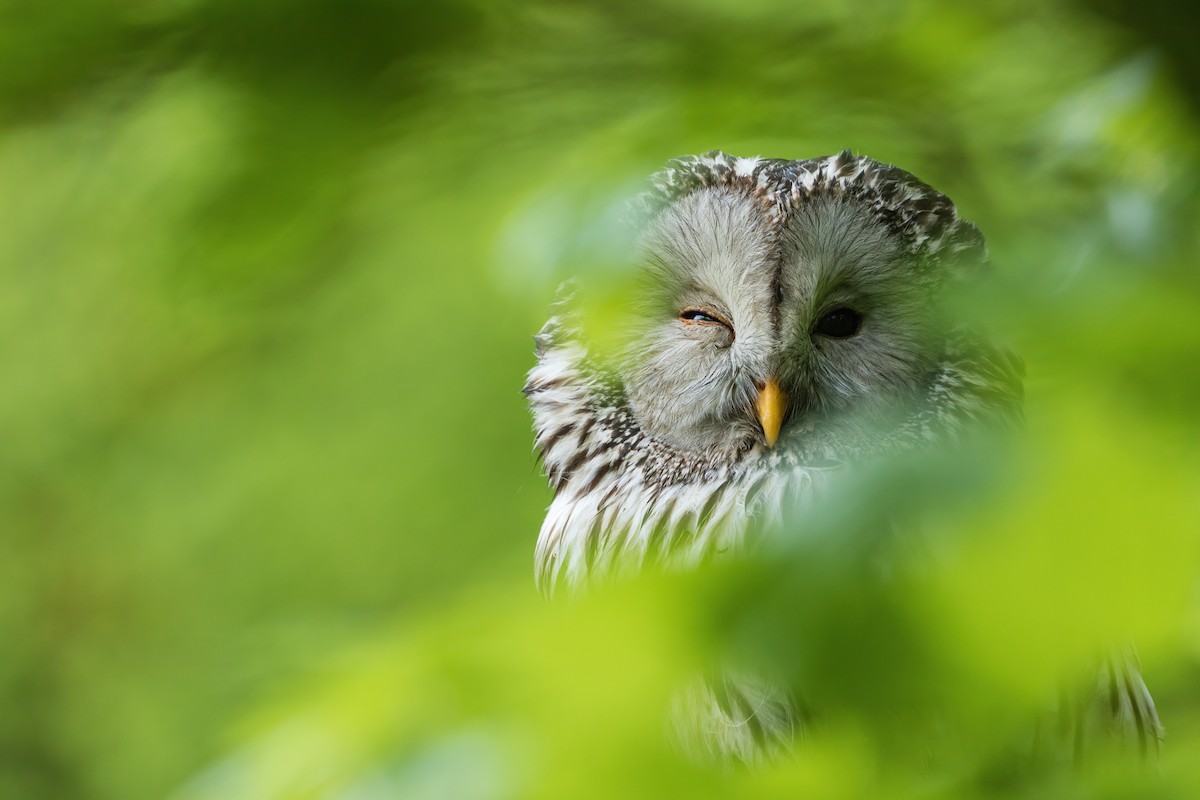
point(268, 277)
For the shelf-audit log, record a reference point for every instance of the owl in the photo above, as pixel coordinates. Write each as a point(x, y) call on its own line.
point(787, 329)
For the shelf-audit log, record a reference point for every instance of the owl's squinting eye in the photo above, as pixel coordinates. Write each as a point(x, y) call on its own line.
point(841, 323)
point(704, 316)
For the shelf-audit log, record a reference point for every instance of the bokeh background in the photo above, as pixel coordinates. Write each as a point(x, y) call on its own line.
point(268, 277)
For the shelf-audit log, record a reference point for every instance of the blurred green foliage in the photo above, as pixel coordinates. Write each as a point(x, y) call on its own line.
point(268, 275)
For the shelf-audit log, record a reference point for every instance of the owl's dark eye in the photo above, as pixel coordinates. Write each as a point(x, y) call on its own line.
point(703, 316)
point(841, 323)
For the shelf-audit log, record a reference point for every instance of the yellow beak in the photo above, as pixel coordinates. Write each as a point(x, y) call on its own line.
point(770, 406)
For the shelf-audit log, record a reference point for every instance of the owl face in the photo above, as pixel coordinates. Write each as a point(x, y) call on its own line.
point(756, 326)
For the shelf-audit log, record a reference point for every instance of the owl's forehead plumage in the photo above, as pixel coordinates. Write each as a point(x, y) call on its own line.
point(923, 219)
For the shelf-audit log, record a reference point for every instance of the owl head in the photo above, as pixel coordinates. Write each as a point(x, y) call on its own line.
point(781, 296)
point(789, 324)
